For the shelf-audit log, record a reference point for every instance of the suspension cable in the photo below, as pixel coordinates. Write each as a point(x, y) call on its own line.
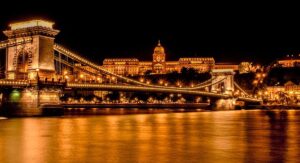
point(96, 67)
point(239, 88)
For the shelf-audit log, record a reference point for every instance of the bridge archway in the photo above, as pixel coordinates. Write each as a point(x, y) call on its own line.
point(223, 81)
point(30, 50)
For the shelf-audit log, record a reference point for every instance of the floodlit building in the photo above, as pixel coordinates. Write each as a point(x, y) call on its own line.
point(290, 61)
point(158, 65)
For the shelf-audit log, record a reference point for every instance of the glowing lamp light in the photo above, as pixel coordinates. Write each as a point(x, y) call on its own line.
point(258, 75)
point(161, 82)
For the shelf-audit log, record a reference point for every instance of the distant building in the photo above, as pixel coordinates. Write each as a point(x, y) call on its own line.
point(289, 88)
point(290, 61)
point(158, 65)
point(234, 67)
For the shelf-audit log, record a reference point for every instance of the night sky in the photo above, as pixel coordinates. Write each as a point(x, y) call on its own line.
point(246, 32)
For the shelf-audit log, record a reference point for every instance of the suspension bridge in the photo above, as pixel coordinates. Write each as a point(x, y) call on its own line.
point(35, 65)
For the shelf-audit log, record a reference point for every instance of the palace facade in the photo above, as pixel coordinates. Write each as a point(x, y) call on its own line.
point(158, 65)
point(290, 61)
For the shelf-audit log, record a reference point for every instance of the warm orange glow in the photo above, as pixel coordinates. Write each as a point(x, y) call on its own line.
point(142, 79)
point(161, 82)
point(31, 23)
point(192, 84)
point(258, 75)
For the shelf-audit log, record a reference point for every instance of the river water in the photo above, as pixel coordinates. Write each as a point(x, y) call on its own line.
point(218, 136)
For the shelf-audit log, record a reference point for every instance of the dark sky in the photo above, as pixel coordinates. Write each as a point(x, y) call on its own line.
point(228, 32)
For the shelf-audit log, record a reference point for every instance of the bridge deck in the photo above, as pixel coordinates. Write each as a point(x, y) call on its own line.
point(131, 88)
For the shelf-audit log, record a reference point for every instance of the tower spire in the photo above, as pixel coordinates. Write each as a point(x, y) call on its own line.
point(158, 43)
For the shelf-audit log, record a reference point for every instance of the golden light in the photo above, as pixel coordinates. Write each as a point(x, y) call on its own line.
point(166, 84)
point(81, 76)
point(65, 72)
point(142, 79)
point(67, 77)
point(161, 82)
point(148, 82)
point(258, 75)
point(192, 84)
point(98, 79)
point(113, 78)
point(255, 82)
point(31, 23)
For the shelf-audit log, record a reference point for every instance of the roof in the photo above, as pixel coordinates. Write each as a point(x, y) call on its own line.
point(197, 59)
point(31, 23)
point(120, 60)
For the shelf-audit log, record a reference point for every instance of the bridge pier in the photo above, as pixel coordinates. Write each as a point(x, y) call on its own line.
point(223, 104)
point(31, 102)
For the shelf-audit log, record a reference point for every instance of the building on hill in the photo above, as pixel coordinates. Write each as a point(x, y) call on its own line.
point(289, 61)
point(158, 65)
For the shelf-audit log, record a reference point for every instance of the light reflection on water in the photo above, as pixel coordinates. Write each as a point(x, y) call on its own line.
point(222, 136)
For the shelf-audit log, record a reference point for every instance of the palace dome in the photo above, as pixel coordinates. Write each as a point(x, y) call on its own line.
point(159, 48)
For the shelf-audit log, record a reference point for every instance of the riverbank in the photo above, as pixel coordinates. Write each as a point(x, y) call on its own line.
point(296, 107)
point(190, 105)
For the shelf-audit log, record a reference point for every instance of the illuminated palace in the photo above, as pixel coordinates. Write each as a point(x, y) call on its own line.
point(158, 65)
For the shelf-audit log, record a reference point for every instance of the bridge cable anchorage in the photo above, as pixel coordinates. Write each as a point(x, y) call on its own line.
point(80, 59)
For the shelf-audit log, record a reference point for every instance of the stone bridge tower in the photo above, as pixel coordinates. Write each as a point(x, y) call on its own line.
point(224, 80)
point(30, 54)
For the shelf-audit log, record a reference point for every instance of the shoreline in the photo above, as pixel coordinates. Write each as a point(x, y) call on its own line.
point(190, 105)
